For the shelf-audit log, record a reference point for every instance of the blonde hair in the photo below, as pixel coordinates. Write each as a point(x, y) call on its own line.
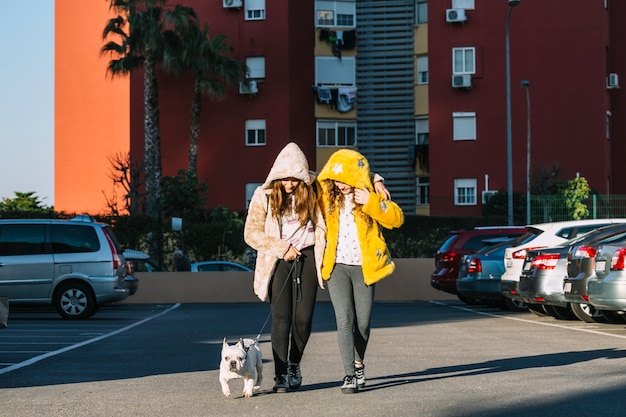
point(336, 200)
point(304, 201)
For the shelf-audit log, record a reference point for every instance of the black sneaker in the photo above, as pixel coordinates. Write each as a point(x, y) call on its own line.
point(359, 374)
point(349, 385)
point(294, 376)
point(280, 384)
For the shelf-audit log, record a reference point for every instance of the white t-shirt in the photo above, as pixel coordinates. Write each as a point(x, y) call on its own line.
point(348, 248)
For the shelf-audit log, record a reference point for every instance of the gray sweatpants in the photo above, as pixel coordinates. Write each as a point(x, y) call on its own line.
point(352, 301)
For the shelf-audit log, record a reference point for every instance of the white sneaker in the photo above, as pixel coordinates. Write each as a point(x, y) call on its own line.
point(349, 385)
point(359, 374)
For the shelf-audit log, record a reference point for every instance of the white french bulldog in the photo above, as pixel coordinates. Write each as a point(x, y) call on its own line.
point(242, 360)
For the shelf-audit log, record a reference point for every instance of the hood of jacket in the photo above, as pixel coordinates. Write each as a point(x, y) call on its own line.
point(349, 167)
point(290, 163)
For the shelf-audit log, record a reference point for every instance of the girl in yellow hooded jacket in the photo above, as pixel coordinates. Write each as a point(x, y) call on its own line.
point(356, 255)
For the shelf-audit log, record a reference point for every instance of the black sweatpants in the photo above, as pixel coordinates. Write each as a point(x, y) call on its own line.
point(292, 308)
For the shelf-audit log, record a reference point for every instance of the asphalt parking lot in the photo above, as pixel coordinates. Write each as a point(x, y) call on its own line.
point(425, 359)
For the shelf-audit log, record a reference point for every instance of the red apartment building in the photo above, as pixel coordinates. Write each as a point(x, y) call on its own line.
point(568, 52)
point(430, 113)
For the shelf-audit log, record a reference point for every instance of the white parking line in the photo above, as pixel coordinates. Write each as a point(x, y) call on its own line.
point(484, 313)
point(83, 343)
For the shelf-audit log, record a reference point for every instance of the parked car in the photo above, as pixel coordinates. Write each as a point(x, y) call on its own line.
point(479, 277)
point(218, 266)
point(607, 288)
point(75, 265)
point(464, 242)
point(544, 271)
point(142, 262)
point(542, 235)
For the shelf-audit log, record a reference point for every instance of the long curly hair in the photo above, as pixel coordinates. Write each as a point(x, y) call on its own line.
point(336, 200)
point(304, 201)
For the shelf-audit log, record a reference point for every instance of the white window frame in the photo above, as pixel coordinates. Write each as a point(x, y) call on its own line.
point(421, 130)
point(463, 4)
point(421, 63)
point(254, 9)
point(250, 188)
point(421, 12)
point(256, 68)
point(256, 132)
point(423, 191)
point(333, 72)
point(327, 11)
point(465, 192)
point(464, 126)
point(338, 139)
point(464, 60)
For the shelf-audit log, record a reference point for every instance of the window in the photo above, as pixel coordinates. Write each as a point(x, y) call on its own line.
point(423, 191)
point(74, 239)
point(463, 4)
point(330, 71)
point(335, 13)
point(465, 192)
point(464, 126)
point(255, 132)
point(331, 133)
point(464, 60)
point(421, 131)
point(422, 69)
point(250, 187)
point(254, 9)
point(22, 239)
point(421, 11)
point(256, 67)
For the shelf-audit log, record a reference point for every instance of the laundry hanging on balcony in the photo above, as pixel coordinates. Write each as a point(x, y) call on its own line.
point(339, 40)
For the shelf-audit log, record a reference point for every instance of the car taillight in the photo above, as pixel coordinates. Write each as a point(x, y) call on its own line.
point(547, 261)
point(448, 257)
point(521, 254)
point(585, 252)
point(617, 261)
point(116, 259)
point(474, 266)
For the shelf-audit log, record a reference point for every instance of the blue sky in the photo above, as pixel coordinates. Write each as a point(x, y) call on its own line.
point(27, 99)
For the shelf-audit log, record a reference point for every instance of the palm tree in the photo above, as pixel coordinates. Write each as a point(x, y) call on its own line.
point(193, 50)
point(138, 33)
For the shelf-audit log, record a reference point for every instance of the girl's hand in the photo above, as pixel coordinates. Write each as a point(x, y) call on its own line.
point(291, 254)
point(361, 196)
point(380, 188)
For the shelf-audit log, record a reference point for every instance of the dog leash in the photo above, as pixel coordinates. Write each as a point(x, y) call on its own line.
point(299, 290)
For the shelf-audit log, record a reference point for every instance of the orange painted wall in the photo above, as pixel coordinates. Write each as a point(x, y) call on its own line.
point(92, 111)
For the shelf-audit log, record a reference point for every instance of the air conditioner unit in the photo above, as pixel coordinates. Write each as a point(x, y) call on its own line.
point(228, 4)
point(487, 195)
point(251, 88)
point(454, 15)
point(612, 81)
point(461, 80)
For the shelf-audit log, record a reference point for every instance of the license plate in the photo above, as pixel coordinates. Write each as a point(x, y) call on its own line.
point(527, 266)
point(567, 287)
point(600, 266)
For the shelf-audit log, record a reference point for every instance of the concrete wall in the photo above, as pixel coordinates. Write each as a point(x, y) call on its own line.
point(410, 282)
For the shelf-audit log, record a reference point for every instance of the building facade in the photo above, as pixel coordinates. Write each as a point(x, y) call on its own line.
point(418, 87)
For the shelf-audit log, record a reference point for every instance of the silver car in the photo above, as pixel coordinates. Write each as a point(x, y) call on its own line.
point(607, 289)
point(74, 265)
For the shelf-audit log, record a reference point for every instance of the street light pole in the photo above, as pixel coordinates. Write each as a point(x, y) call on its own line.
point(509, 140)
point(526, 85)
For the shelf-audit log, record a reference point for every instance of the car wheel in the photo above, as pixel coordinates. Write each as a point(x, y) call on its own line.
point(538, 310)
point(612, 317)
point(587, 313)
point(74, 301)
point(515, 305)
